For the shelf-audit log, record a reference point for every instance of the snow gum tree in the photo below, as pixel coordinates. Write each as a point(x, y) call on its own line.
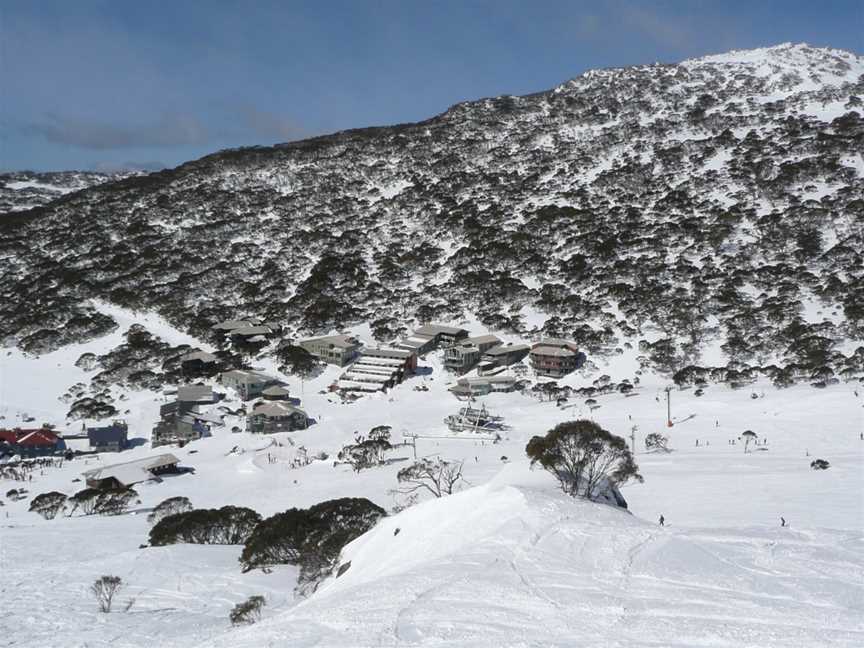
point(311, 538)
point(104, 590)
point(581, 454)
point(227, 525)
point(170, 506)
point(48, 505)
point(436, 476)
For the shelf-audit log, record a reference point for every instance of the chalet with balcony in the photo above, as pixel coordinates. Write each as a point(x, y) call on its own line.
point(276, 416)
point(339, 350)
point(465, 354)
point(555, 358)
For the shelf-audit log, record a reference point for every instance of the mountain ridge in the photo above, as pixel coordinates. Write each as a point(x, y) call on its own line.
point(618, 176)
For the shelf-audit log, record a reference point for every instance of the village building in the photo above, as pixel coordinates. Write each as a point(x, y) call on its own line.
point(441, 335)
point(110, 438)
point(481, 386)
point(197, 394)
point(230, 325)
point(555, 358)
point(29, 443)
point(124, 475)
point(249, 334)
point(500, 357)
point(377, 370)
point(338, 350)
point(179, 428)
point(276, 416)
point(198, 362)
point(415, 343)
point(462, 356)
point(276, 393)
point(248, 384)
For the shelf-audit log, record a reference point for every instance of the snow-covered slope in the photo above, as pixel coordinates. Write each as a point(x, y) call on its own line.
point(513, 564)
point(24, 190)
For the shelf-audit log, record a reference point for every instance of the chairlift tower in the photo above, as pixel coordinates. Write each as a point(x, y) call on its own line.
point(668, 408)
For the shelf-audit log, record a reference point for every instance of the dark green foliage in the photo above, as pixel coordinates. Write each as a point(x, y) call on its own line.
point(247, 612)
point(86, 500)
point(656, 441)
point(820, 464)
point(311, 538)
point(226, 525)
point(115, 501)
point(297, 360)
point(170, 506)
point(581, 454)
point(48, 505)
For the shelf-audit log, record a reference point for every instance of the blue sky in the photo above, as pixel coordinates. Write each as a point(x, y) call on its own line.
point(109, 84)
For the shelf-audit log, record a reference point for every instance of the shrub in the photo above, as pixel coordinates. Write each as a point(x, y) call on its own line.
point(580, 454)
point(311, 538)
point(247, 612)
point(104, 589)
point(820, 464)
point(48, 505)
point(170, 506)
point(227, 525)
point(656, 441)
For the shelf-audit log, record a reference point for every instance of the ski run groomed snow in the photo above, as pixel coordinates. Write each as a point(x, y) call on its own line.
point(509, 561)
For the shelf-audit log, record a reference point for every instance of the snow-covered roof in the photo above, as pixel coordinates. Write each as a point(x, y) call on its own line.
point(132, 472)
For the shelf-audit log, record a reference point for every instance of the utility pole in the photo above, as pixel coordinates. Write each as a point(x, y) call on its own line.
point(668, 408)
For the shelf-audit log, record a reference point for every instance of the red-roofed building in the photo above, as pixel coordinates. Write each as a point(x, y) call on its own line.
point(37, 442)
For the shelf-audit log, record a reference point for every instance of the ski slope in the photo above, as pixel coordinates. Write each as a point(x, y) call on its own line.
point(510, 561)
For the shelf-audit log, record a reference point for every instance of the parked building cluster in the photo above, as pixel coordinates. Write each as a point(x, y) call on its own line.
point(187, 418)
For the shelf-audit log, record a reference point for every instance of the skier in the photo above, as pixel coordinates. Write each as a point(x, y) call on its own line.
point(662, 520)
point(782, 521)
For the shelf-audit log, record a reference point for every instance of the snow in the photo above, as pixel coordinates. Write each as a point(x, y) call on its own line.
point(509, 561)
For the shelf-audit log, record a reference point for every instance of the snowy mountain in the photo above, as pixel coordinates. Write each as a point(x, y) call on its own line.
point(708, 212)
point(24, 190)
point(701, 221)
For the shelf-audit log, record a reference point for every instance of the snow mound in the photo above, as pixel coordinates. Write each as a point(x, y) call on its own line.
point(513, 564)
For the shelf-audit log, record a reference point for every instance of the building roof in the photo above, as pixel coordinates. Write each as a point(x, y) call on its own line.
point(437, 329)
point(276, 390)
point(506, 350)
point(339, 341)
point(230, 325)
point(385, 352)
point(558, 342)
point(250, 377)
point(414, 342)
point(195, 394)
point(37, 438)
point(203, 356)
point(249, 331)
point(276, 409)
point(548, 350)
point(132, 472)
point(483, 339)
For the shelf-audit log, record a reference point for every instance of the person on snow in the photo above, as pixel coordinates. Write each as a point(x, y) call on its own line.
point(782, 521)
point(662, 520)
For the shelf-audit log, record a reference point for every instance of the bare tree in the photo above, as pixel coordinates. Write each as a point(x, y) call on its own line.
point(105, 589)
point(437, 476)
